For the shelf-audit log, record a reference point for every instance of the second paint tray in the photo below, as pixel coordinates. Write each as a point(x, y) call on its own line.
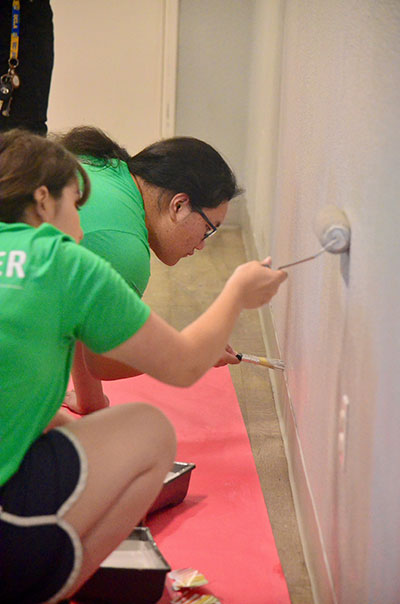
point(175, 487)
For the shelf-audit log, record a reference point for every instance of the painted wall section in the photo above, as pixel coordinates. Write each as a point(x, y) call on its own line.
point(337, 140)
point(108, 68)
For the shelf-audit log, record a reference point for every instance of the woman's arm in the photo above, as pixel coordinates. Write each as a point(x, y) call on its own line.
point(103, 368)
point(87, 372)
point(88, 395)
point(181, 358)
point(98, 367)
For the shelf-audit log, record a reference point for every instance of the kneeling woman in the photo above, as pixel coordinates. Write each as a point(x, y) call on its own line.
point(71, 491)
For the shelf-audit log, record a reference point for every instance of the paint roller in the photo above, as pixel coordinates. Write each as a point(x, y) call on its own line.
point(333, 231)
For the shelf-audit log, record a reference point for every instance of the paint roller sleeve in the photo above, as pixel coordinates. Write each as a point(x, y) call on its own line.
point(333, 229)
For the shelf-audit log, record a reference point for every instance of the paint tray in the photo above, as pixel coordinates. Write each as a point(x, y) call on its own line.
point(175, 487)
point(134, 572)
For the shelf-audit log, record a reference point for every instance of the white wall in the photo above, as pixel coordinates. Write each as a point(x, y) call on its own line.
point(262, 117)
point(336, 320)
point(108, 68)
point(212, 79)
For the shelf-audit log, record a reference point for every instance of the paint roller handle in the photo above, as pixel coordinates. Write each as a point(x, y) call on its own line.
point(333, 230)
point(321, 251)
point(325, 248)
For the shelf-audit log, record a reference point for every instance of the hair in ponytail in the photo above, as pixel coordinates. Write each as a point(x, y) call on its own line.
point(93, 143)
point(179, 164)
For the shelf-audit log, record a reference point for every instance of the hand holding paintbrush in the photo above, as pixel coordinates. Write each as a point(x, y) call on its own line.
point(256, 360)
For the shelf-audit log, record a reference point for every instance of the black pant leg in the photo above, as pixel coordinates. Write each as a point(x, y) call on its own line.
point(36, 57)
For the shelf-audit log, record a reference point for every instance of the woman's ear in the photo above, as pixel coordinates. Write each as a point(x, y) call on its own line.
point(44, 206)
point(179, 207)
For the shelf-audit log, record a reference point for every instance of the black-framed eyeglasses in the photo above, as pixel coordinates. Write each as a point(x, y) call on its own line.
point(212, 228)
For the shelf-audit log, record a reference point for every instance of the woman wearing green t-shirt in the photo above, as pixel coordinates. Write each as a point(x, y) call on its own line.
point(71, 491)
point(169, 197)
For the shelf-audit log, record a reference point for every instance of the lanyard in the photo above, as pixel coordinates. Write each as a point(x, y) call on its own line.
point(14, 44)
point(10, 80)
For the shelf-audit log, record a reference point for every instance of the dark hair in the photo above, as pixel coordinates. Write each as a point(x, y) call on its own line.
point(28, 161)
point(179, 164)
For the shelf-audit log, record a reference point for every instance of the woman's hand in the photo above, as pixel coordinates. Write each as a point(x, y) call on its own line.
point(256, 283)
point(228, 358)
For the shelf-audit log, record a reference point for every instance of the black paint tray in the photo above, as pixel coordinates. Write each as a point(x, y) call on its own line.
point(134, 572)
point(175, 487)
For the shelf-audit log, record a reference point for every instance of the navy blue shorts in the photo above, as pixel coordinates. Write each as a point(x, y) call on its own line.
point(40, 553)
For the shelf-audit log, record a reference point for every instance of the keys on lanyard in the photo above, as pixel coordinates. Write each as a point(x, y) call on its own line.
point(8, 82)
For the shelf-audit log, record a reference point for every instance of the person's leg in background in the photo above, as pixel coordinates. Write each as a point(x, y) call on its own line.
point(29, 103)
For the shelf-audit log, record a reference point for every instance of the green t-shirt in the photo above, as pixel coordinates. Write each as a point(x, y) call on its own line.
point(113, 221)
point(52, 293)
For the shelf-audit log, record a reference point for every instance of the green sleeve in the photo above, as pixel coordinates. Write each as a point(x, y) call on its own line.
point(101, 310)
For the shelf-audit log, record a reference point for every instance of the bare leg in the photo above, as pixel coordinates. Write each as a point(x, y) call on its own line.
point(130, 449)
point(61, 418)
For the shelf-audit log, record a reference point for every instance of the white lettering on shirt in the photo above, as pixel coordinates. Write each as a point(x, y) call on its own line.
point(14, 264)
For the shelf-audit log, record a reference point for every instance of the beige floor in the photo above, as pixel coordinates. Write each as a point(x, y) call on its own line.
point(180, 294)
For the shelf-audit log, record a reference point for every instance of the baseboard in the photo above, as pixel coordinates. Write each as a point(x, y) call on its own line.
point(310, 533)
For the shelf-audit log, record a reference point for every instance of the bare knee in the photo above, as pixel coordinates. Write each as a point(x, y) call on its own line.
point(160, 428)
point(141, 421)
point(138, 433)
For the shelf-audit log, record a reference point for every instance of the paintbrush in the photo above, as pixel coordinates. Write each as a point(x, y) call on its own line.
point(256, 360)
